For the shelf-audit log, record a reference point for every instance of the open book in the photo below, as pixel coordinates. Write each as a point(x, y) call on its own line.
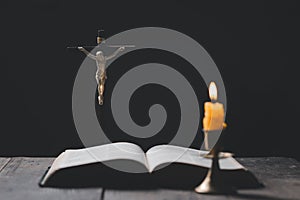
point(111, 164)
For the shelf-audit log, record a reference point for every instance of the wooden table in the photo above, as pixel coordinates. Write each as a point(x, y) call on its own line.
point(19, 178)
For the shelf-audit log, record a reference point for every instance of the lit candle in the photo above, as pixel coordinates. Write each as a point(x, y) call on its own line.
point(213, 113)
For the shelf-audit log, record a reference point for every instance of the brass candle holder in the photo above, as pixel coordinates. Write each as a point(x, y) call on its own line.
point(213, 182)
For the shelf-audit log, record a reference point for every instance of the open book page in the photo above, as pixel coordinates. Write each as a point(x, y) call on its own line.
point(162, 154)
point(115, 151)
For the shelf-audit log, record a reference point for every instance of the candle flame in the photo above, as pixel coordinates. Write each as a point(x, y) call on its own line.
point(213, 92)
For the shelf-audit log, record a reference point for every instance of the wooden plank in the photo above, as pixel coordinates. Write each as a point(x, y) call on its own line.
point(281, 177)
point(19, 180)
point(20, 176)
point(159, 194)
point(272, 167)
point(277, 189)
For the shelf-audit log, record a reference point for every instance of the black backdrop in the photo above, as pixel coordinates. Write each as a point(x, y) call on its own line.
point(255, 46)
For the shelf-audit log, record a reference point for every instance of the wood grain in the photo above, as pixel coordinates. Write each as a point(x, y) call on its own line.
point(19, 180)
point(159, 195)
point(3, 162)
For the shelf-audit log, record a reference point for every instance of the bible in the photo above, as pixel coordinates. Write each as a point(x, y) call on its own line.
point(125, 165)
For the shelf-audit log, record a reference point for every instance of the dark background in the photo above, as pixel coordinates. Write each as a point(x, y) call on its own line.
point(254, 44)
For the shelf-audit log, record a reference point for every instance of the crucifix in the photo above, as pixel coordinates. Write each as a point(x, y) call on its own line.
point(101, 59)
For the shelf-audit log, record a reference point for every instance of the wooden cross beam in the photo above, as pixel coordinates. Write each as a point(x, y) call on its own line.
point(99, 41)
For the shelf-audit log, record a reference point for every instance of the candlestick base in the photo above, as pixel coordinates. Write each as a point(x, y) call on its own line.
point(213, 182)
point(208, 186)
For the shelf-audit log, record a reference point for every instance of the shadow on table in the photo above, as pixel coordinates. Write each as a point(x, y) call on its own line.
point(179, 176)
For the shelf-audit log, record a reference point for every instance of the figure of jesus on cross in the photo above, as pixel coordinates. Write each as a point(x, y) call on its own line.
point(101, 72)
